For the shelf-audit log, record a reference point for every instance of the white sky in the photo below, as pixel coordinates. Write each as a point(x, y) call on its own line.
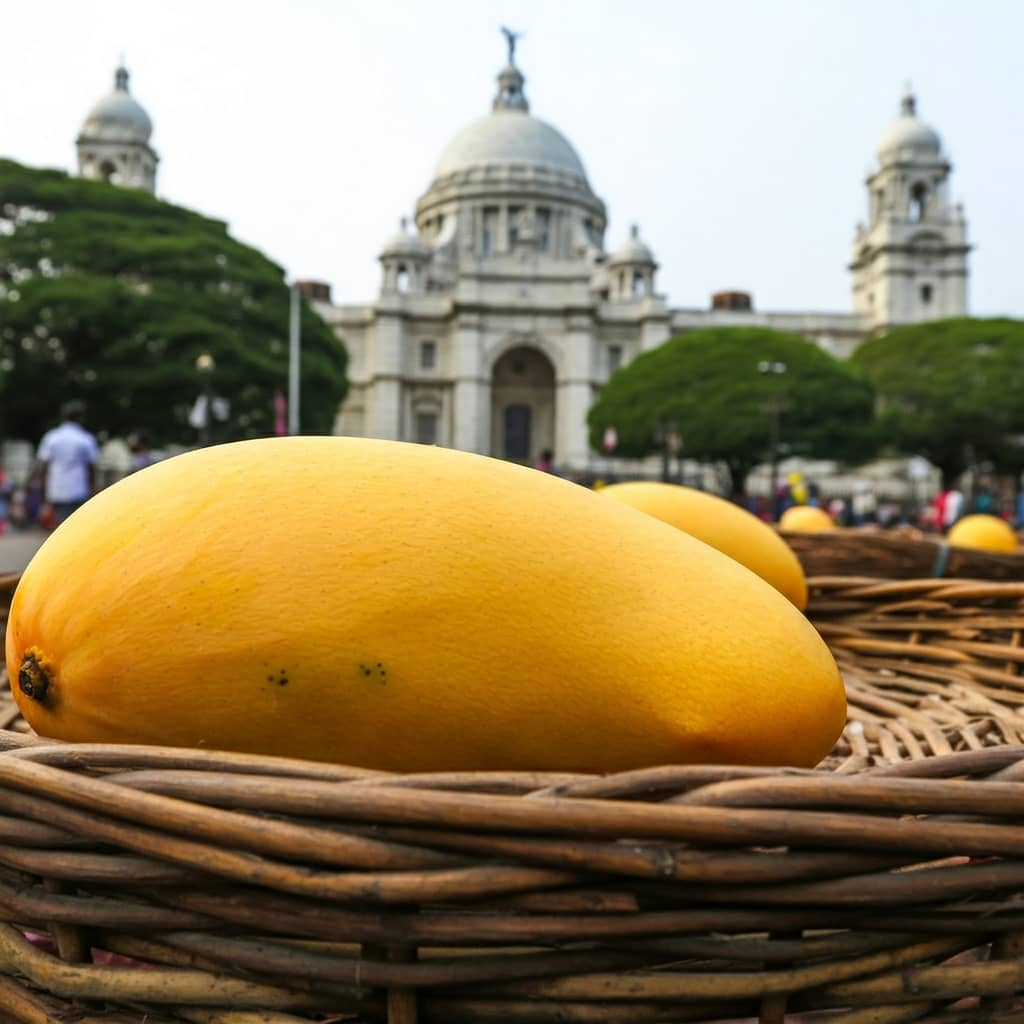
point(737, 133)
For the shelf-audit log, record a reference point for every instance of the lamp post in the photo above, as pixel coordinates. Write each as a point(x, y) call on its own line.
point(205, 366)
point(294, 343)
point(666, 437)
point(772, 366)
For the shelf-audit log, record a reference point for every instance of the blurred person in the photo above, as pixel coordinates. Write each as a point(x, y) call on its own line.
point(545, 463)
point(798, 488)
point(836, 508)
point(6, 488)
point(67, 458)
point(115, 461)
point(141, 451)
point(863, 504)
point(952, 507)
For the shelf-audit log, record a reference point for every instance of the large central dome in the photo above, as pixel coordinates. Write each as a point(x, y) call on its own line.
point(510, 136)
point(509, 179)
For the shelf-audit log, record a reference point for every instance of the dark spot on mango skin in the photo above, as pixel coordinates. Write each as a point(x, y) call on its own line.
point(33, 679)
point(379, 671)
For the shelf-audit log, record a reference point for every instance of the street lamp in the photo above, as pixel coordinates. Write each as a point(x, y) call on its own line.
point(666, 437)
point(205, 366)
point(771, 366)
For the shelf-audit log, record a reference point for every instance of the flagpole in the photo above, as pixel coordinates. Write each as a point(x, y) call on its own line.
point(293, 363)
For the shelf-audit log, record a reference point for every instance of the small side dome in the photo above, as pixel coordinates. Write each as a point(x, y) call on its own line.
point(634, 251)
point(117, 117)
point(403, 243)
point(909, 135)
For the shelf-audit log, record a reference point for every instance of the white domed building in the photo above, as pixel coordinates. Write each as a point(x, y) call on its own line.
point(498, 321)
point(502, 314)
point(113, 144)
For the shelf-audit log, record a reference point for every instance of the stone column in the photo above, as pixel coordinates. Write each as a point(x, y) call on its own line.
point(385, 370)
point(471, 401)
point(573, 393)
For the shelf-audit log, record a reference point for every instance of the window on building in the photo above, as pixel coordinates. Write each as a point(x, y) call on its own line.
point(515, 213)
point(918, 201)
point(543, 228)
point(639, 285)
point(926, 294)
point(622, 281)
point(426, 428)
point(490, 230)
point(402, 278)
point(517, 432)
point(879, 201)
point(428, 355)
point(614, 357)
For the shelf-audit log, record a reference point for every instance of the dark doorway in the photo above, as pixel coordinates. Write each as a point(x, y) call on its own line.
point(517, 432)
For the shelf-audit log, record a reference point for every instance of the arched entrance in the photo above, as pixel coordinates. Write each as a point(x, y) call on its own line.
point(522, 406)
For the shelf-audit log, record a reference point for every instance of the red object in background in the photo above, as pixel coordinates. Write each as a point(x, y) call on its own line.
point(280, 414)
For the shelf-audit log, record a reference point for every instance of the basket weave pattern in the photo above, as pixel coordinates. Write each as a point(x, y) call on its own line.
point(900, 553)
point(930, 666)
point(143, 883)
point(662, 895)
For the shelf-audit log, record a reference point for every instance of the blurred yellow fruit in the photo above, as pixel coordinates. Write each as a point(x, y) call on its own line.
point(723, 525)
point(806, 519)
point(988, 533)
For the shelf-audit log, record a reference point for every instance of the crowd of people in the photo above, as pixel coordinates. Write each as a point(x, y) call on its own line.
point(70, 466)
point(863, 507)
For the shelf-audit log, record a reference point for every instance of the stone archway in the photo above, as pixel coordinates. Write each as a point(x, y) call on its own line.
point(522, 406)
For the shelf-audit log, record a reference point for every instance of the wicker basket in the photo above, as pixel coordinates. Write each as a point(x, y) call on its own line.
point(152, 884)
point(901, 553)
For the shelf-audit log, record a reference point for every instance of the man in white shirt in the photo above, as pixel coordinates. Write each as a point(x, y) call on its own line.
point(68, 455)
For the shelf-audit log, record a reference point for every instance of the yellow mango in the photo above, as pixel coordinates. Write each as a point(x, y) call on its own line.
point(983, 532)
point(806, 519)
point(724, 525)
point(408, 608)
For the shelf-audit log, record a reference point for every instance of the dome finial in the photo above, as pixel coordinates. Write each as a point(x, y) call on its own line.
point(908, 105)
point(403, 223)
point(510, 80)
point(510, 84)
point(511, 38)
point(634, 231)
point(121, 76)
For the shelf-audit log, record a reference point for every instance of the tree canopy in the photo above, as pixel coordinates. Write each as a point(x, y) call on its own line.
point(109, 295)
point(709, 387)
point(950, 390)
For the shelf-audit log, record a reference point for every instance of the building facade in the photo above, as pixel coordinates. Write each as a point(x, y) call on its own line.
point(501, 312)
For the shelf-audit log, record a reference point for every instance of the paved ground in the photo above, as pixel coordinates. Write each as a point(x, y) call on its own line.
point(17, 547)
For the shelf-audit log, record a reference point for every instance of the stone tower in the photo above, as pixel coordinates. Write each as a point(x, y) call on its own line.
point(910, 259)
point(113, 144)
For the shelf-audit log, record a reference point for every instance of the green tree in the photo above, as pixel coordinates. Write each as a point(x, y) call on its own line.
point(950, 390)
point(710, 386)
point(109, 295)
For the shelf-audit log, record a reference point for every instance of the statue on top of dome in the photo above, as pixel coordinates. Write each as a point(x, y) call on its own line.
point(511, 37)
